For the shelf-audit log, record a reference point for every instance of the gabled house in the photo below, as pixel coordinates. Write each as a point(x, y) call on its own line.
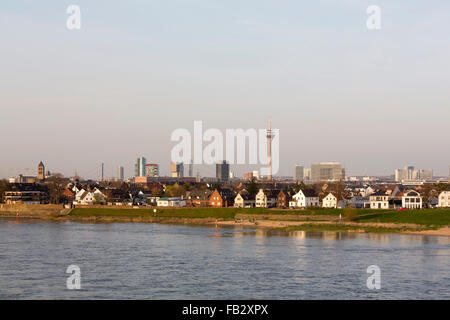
point(304, 199)
point(266, 198)
point(67, 196)
point(84, 197)
point(330, 201)
point(411, 199)
point(221, 197)
point(283, 198)
point(198, 198)
point(444, 199)
point(244, 200)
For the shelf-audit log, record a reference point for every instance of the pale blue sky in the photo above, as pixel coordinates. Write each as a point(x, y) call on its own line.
point(115, 90)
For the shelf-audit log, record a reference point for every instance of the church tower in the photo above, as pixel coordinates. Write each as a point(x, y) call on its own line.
point(41, 171)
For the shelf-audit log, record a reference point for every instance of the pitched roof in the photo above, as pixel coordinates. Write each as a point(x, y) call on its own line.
point(379, 193)
point(310, 193)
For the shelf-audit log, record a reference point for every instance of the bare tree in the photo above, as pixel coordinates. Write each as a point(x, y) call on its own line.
point(56, 184)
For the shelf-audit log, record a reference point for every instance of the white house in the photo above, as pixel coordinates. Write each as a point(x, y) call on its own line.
point(330, 201)
point(84, 197)
point(411, 199)
point(171, 202)
point(304, 199)
point(379, 200)
point(243, 201)
point(266, 199)
point(444, 199)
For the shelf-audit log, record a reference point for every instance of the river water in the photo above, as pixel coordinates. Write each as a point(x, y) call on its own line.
point(155, 261)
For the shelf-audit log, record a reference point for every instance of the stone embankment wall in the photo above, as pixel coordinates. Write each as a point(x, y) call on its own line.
point(32, 210)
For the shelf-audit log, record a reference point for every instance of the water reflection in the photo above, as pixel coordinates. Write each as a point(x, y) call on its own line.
point(151, 261)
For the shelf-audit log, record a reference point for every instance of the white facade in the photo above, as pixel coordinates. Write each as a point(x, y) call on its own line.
point(330, 201)
point(241, 202)
point(262, 201)
point(444, 199)
point(379, 201)
point(300, 200)
point(171, 202)
point(411, 199)
point(84, 197)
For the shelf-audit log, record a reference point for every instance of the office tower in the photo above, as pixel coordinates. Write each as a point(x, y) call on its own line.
point(425, 174)
point(191, 169)
point(410, 173)
point(139, 167)
point(41, 171)
point(327, 171)
point(180, 170)
point(307, 174)
point(173, 169)
point(120, 174)
point(152, 170)
point(176, 170)
point(298, 173)
point(223, 171)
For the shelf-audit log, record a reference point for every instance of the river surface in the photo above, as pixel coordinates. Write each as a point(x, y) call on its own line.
point(156, 261)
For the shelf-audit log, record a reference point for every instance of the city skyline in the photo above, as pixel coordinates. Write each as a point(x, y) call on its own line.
point(142, 70)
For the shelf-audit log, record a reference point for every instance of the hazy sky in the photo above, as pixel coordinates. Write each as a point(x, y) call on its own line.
point(137, 70)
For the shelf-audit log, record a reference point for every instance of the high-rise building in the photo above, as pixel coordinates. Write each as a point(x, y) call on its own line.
point(307, 174)
point(173, 169)
point(180, 170)
point(177, 170)
point(152, 170)
point(41, 171)
point(223, 171)
point(410, 173)
point(298, 173)
point(120, 174)
point(191, 169)
point(327, 171)
point(139, 167)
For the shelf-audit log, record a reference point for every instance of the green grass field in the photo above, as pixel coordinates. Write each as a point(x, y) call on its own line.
point(437, 217)
point(224, 213)
point(428, 217)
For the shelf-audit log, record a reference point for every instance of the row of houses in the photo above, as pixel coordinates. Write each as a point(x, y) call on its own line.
point(391, 197)
point(409, 199)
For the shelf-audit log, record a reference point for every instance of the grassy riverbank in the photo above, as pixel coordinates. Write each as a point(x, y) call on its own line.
point(359, 220)
point(426, 217)
point(313, 219)
point(219, 213)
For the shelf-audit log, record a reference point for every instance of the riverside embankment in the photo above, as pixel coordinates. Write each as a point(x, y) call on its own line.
point(426, 221)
